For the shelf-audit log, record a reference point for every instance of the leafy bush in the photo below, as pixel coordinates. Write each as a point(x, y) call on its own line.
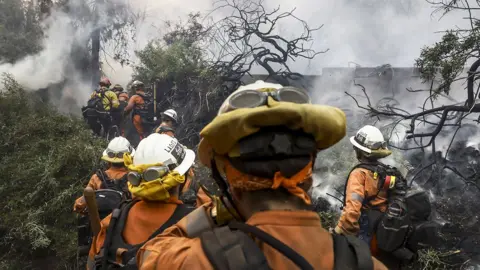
point(46, 158)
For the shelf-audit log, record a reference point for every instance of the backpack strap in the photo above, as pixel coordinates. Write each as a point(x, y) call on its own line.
point(180, 211)
point(291, 254)
point(369, 166)
point(102, 176)
point(164, 129)
point(351, 253)
point(118, 219)
point(232, 250)
point(109, 236)
point(198, 222)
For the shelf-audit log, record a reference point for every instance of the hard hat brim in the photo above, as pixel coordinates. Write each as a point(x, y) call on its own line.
point(186, 163)
point(115, 159)
point(112, 160)
point(359, 146)
point(205, 152)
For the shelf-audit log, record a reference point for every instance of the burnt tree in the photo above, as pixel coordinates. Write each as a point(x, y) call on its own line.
point(197, 65)
point(250, 37)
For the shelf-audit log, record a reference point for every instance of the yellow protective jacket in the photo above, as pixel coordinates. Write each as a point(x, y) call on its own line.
point(109, 99)
point(361, 184)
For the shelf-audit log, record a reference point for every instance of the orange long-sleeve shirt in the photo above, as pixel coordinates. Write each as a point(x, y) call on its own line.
point(361, 185)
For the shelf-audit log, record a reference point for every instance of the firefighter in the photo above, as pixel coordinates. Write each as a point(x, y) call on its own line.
point(143, 109)
point(169, 120)
point(261, 155)
point(99, 106)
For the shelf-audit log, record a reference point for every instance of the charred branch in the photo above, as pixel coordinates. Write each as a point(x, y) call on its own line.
point(249, 37)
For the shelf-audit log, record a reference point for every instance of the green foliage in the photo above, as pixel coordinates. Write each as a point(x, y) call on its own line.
point(176, 62)
point(46, 158)
point(445, 60)
point(187, 81)
point(329, 219)
point(20, 30)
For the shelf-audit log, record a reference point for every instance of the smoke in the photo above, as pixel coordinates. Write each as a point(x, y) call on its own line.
point(369, 33)
point(48, 66)
point(366, 32)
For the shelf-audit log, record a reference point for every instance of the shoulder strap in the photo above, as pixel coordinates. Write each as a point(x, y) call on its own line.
point(296, 258)
point(180, 211)
point(102, 175)
point(118, 217)
point(367, 166)
point(351, 253)
point(198, 222)
point(232, 250)
point(162, 129)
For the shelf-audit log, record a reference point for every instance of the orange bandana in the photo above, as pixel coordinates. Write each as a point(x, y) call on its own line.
point(246, 182)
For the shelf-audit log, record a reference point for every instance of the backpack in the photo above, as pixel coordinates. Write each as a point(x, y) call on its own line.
point(112, 193)
point(404, 226)
point(96, 102)
point(147, 109)
point(114, 240)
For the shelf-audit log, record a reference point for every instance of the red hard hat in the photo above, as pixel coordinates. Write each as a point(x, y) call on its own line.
point(105, 82)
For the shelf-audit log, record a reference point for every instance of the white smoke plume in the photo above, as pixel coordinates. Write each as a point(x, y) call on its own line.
point(366, 32)
point(48, 66)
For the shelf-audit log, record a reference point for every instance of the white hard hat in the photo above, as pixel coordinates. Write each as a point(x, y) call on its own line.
point(116, 148)
point(369, 138)
point(161, 148)
point(253, 86)
point(171, 114)
point(137, 83)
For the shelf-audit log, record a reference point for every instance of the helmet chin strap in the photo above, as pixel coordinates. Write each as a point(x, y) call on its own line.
point(227, 196)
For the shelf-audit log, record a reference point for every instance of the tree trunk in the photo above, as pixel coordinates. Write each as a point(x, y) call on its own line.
point(96, 47)
point(95, 57)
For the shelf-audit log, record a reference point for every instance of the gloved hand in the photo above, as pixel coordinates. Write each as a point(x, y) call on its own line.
point(336, 230)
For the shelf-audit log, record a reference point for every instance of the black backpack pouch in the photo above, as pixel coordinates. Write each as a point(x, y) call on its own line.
point(424, 234)
point(107, 201)
point(374, 218)
point(418, 205)
point(392, 233)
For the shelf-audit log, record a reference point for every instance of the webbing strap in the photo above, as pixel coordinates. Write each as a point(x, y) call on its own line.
point(291, 254)
point(351, 253)
point(369, 166)
point(232, 250)
point(109, 236)
point(180, 211)
point(101, 174)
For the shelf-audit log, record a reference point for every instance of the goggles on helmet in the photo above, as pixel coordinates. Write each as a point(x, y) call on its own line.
point(255, 98)
point(150, 174)
point(373, 145)
point(112, 154)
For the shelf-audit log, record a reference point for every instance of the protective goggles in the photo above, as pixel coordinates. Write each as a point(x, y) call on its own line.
point(372, 146)
point(112, 154)
point(255, 98)
point(150, 174)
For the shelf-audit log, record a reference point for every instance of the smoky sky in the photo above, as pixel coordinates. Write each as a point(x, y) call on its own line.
point(366, 32)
